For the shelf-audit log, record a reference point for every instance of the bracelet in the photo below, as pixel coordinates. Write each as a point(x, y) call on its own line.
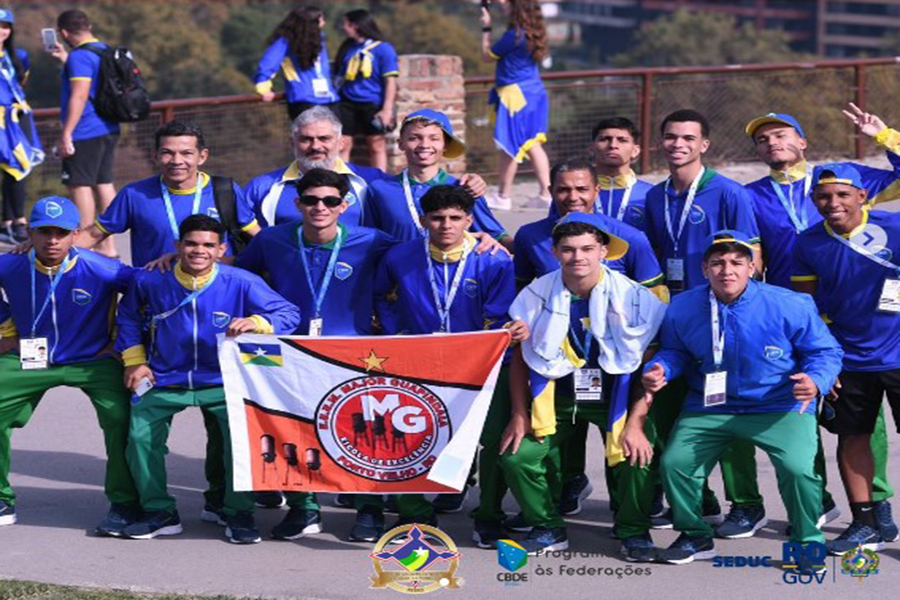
point(487, 29)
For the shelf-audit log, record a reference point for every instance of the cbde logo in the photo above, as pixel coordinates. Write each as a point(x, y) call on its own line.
point(511, 557)
point(794, 553)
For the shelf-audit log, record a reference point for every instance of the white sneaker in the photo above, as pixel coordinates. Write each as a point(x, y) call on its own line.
point(498, 202)
point(538, 202)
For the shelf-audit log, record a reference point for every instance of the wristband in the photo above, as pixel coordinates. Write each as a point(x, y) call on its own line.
point(487, 29)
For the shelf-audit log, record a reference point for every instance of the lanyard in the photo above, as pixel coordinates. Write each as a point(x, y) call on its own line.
point(626, 197)
point(319, 297)
point(718, 337)
point(171, 213)
point(449, 289)
point(187, 300)
point(865, 252)
point(411, 204)
point(584, 348)
point(54, 281)
point(688, 203)
point(797, 213)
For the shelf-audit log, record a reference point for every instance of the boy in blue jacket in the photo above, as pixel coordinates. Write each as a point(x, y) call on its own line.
point(178, 365)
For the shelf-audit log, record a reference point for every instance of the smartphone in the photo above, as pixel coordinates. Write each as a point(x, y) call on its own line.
point(486, 4)
point(48, 36)
point(143, 386)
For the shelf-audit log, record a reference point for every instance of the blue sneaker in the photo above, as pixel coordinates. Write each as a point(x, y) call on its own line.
point(545, 539)
point(154, 524)
point(344, 501)
point(886, 521)
point(856, 535)
point(742, 522)
point(662, 520)
point(369, 525)
point(298, 522)
point(7, 513)
point(639, 549)
point(119, 517)
point(574, 492)
point(487, 533)
point(269, 499)
point(241, 529)
point(517, 524)
point(214, 514)
point(687, 549)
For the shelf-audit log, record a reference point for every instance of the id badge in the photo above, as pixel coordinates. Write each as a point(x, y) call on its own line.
point(143, 386)
point(588, 385)
point(890, 296)
point(315, 327)
point(675, 273)
point(320, 88)
point(715, 391)
point(33, 353)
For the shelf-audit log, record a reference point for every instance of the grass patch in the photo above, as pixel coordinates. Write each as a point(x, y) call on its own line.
point(30, 590)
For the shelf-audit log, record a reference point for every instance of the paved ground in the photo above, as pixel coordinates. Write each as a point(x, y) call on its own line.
point(58, 466)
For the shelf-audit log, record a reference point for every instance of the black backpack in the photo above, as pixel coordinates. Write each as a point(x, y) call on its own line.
point(226, 205)
point(121, 95)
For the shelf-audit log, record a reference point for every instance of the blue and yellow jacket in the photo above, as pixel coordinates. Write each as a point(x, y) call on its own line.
point(298, 82)
point(79, 317)
point(183, 347)
point(770, 334)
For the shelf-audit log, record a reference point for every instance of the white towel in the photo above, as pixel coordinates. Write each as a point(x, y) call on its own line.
point(625, 318)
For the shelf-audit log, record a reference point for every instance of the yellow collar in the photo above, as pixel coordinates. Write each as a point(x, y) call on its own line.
point(189, 281)
point(204, 180)
point(341, 167)
point(794, 173)
point(617, 182)
point(42, 268)
point(293, 171)
point(87, 42)
point(454, 254)
point(858, 229)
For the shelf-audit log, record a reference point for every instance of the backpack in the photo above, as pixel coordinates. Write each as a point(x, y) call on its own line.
point(121, 94)
point(226, 205)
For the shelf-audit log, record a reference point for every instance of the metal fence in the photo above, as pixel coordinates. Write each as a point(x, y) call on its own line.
point(247, 137)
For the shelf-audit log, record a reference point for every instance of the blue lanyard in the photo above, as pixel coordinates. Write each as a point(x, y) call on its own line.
point(718, 329)
point(584, 348)
point(798, 216)
point(319, 297)
point(190, 298)
point(171, 213)
point(54, 281)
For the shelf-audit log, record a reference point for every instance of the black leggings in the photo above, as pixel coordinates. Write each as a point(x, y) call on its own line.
point(13, 198)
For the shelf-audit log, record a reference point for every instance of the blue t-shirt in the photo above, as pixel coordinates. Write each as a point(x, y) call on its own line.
point(515, 64)
point(298, 82)
point(533, 252)
point(76, 321)
point(281, 208)
point(720, 203)
point(405, 300)
point(84, 65)
point(364, 68)
point(348, 305)
point(8, 79)
point(387, 209)
point(139, 207)
point(849, 285)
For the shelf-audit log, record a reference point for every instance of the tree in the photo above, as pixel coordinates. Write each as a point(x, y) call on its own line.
point(687, 38)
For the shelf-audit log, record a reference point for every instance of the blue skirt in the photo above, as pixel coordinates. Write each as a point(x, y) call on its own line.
point(522, 117)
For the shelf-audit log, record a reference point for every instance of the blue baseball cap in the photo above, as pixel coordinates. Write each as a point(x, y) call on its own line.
point(724, 236)
point(455, 147)
point(7, 15)
point(54, 211)
point(837, 173)
point(782, 118)
point(617, 247)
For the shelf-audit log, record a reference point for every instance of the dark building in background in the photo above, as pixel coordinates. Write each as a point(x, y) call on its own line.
point(826, 27)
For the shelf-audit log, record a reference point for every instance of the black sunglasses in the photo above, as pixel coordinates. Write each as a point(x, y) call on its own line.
point(329, 201)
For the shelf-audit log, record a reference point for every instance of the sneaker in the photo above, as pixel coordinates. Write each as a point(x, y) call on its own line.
point(687, 549)
point(7, 513)
point(390, 504)
point(517, 524)
point(241, 529)
point(154, 524)
point(658, 508)
point(538, 202)
point(117, 519)
point(639, 549)
point(498, 202)
point(369, 525)
point(742, 522)
point(19, 232)
point(545, 539)
point(269, 499)
point(830, 512)
point(662, 521)
point(6, 235)
point(614, 532)
point(344, 501)
point(450, 503)
point(574, 491)
point(214, 514)
point(432, 520)
point(487, 533)
point(886, 521)
point(855, 535)
point(298, 522)
point(713, 515)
